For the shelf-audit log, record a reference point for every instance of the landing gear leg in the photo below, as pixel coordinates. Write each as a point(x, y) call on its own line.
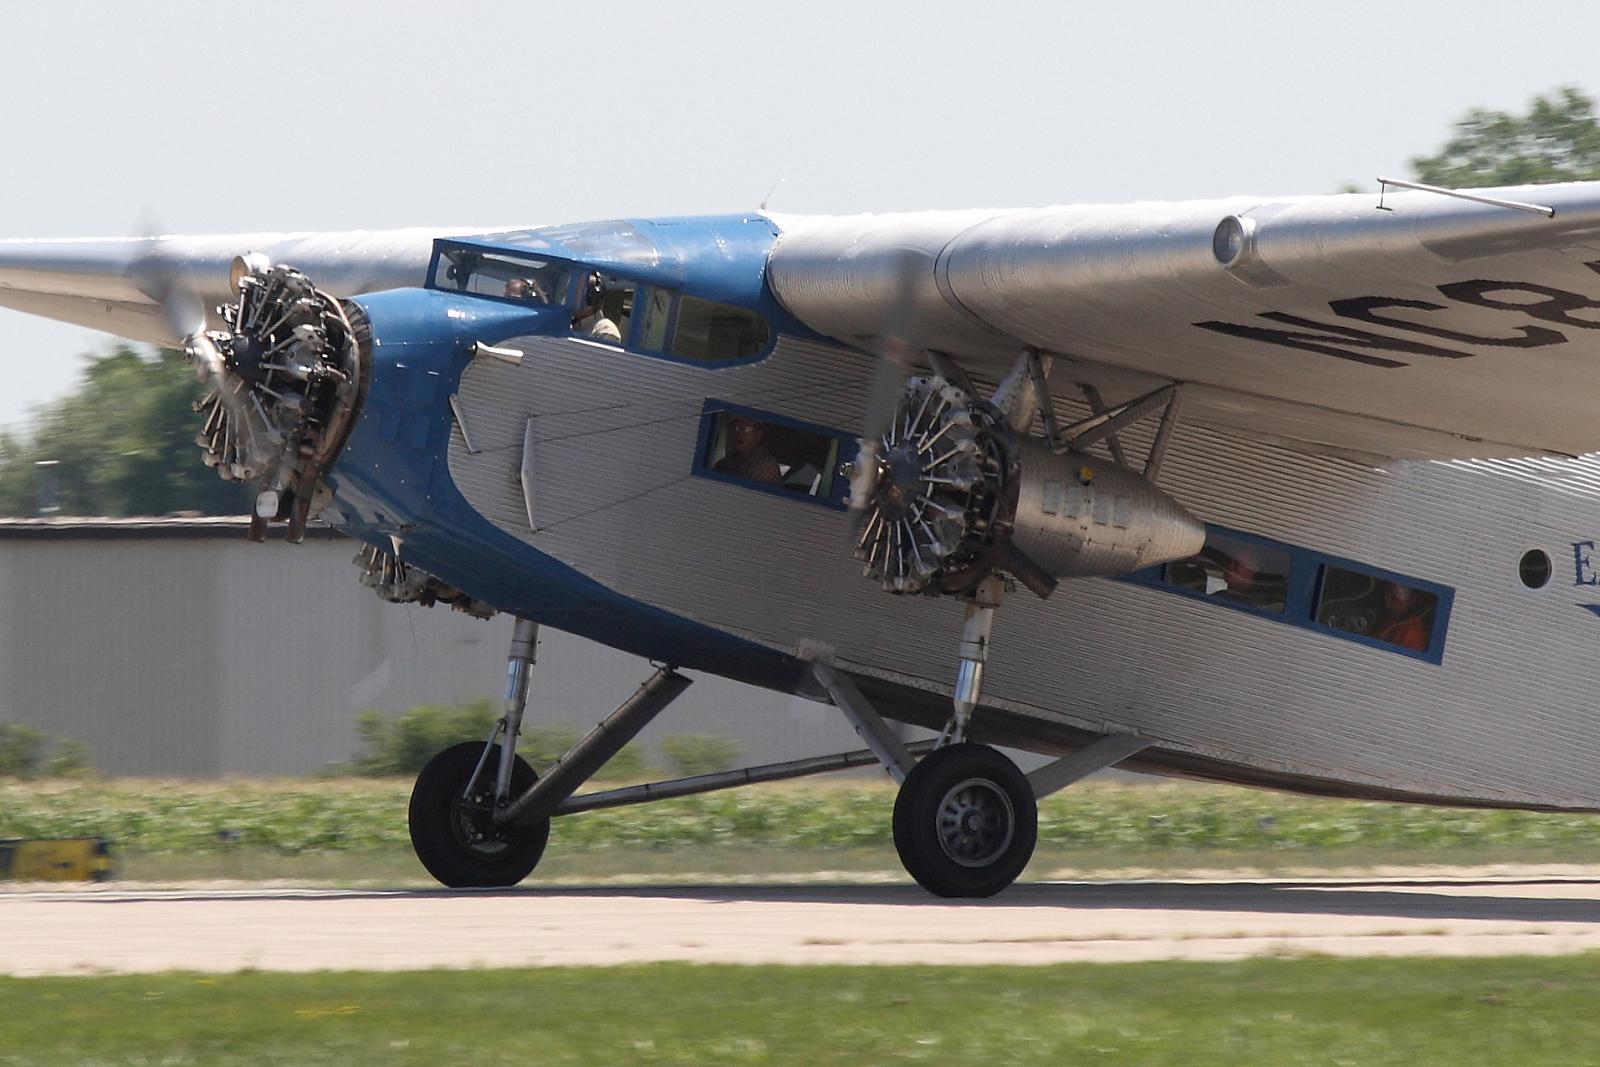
point(452, 813)
point(972, 655)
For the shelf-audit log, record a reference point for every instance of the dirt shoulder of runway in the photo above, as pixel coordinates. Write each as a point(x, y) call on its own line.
point(227, 928)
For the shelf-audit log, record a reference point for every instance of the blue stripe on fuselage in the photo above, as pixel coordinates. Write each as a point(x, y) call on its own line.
point(392, 481)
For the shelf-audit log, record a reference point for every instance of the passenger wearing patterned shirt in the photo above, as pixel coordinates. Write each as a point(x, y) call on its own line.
point(747, 457)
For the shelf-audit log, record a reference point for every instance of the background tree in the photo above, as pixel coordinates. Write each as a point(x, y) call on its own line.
point(1558, 140)
point(124, 444)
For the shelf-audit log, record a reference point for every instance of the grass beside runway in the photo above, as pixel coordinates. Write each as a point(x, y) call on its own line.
point(1273, 1011)
point(354, 829)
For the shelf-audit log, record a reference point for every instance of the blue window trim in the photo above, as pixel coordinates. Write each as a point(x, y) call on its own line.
point(1306, 567)
point(848, 446)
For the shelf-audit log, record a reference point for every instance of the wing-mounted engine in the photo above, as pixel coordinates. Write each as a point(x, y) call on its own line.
point(960, 494)
point(955, 498)
point(285, 381)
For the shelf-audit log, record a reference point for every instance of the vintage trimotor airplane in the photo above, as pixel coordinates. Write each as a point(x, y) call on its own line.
point(1334, 568)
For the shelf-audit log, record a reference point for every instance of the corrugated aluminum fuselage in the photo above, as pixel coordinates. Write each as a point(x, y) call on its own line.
point(624, 540)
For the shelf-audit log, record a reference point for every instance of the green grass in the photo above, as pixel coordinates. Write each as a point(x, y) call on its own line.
point(1308, 1011)
point(223, 828)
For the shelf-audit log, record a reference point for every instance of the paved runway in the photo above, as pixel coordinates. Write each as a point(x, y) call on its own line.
point(108, 929)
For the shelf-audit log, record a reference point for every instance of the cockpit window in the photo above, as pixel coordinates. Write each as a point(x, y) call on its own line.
point(657, 313)
point(710, 331)
point(524, 279)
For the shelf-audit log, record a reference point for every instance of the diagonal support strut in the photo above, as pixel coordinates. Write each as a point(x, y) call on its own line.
point(580, 762)
point(1080, 435)
point(1106, 752)
point(870, 726)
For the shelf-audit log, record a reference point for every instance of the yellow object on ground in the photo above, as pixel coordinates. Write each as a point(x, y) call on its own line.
point(76, 859)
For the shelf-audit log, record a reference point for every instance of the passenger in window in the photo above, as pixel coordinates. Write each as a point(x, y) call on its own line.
point(1242, 579)
point(1404, 620)
point(590, 319)
point(747, 457)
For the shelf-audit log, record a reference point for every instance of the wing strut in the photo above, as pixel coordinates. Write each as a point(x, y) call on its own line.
point(1106, 423)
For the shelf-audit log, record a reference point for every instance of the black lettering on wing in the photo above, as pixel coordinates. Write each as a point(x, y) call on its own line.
point(1331, 339)
point(1554, 305)
point(1364, 309)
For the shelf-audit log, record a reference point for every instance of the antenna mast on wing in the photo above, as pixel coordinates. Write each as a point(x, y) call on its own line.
point(1492, 201)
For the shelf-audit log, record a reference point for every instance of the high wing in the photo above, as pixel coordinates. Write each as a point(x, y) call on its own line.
point(1417, 325)
point(1412, 326)
point(118, 285)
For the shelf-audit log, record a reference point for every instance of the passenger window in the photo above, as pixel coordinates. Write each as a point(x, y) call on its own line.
point(524, 279)
point(1384, 610)
point(772, 453)
point(710, 331)
point(1237, 571)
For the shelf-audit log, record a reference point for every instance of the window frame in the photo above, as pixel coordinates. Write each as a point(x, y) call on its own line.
point(1304, 584)
point(441, 250)
point(679, 297)
point(713, 409)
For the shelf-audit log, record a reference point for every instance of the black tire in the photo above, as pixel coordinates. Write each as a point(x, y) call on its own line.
point(965, 821)
point(454, 836)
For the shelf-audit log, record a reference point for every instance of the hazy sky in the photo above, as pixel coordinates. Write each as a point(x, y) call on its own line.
point(215, 118)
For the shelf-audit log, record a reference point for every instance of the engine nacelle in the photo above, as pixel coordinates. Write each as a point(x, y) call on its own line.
point(957, 497)
point(1077, 516)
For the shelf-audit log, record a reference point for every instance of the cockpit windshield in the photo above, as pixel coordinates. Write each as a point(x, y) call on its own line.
point(526, 279)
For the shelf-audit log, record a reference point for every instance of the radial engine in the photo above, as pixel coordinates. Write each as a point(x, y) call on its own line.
point(284, 381)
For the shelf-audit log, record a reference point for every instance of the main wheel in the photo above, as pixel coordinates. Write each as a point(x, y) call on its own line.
point(452, 829)
point(965, 821)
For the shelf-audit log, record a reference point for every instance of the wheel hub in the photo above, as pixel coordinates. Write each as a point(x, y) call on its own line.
point(976, 822)
point(472, 822)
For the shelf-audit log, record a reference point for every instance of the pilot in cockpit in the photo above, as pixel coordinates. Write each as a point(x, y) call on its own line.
point(591, 318)
point(525, 289)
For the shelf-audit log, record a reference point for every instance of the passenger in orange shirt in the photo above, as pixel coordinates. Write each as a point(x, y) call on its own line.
point(1406, 623)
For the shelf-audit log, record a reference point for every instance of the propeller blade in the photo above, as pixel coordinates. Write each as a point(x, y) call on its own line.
point(160, 278)
point(1040, 582)
point(182, 310)
point(888, 382)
